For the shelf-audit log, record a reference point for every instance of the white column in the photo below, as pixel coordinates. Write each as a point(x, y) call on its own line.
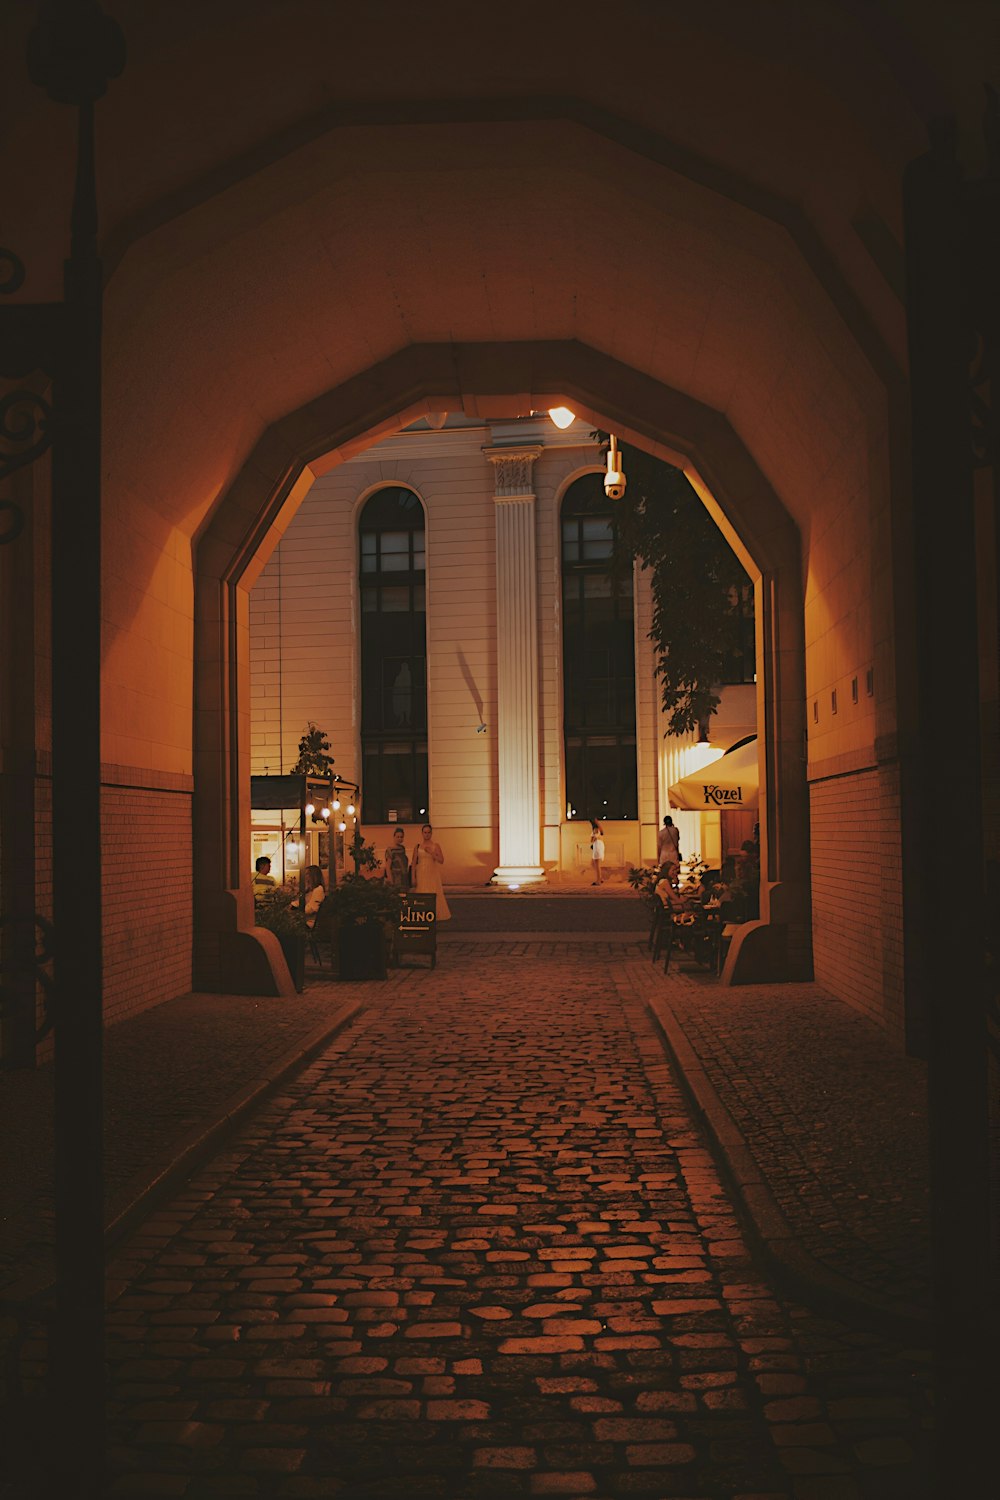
point(517, 667)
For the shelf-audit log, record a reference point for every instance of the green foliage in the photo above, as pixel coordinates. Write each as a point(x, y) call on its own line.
point(642, 879)
point(363, 854)
point(274, 911)
point(697, 583)
point(356, 899)
point(692, 869)
point(313, 760)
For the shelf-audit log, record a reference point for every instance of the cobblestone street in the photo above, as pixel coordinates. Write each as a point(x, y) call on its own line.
point(478, 1248)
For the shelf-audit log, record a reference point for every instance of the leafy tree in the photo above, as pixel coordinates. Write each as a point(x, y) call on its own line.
point(700, 589)
point(313, 760)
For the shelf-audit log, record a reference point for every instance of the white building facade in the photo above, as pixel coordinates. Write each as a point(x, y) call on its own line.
point(462, 721)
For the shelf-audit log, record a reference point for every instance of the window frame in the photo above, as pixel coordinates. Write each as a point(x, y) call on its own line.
point(585, 733)
point(380, 738)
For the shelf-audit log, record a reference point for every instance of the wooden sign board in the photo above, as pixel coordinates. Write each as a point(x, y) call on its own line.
point(418, 926)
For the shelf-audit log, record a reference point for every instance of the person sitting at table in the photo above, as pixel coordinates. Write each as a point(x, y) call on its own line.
point(668, 893)
point(314, 897)
point(263, 881)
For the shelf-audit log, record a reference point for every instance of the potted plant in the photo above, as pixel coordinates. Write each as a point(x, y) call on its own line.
point(364, 914)
point(276, 913)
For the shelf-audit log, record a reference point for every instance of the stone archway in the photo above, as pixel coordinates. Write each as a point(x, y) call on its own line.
point(253, 514)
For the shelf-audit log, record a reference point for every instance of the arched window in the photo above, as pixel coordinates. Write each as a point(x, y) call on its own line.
point(393, 658)
point(598, 660)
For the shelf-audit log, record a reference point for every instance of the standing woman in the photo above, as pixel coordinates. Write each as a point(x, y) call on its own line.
point(426, 870)
point(597, 849)
point(397, 866)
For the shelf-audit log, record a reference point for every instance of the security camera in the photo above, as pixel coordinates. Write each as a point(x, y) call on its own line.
point(614, 479)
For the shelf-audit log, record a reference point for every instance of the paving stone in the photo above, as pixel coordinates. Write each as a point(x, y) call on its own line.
point(478, 1248)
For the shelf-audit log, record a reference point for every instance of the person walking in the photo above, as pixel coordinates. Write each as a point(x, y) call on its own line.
point(425, 869)
point(397, 865)
point(668, 849)
point(597, 851)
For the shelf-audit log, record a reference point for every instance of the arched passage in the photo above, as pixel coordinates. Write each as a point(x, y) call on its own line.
point(375, 247)
point(252, 516)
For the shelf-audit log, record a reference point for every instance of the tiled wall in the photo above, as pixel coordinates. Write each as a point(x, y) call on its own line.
point(857, 892)
point(147, 897)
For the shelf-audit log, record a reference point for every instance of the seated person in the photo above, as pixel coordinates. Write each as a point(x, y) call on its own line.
point(314, 897)
point(673, 899)
point(263, 881)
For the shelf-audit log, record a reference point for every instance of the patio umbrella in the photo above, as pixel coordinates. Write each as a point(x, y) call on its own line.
point(730, 782)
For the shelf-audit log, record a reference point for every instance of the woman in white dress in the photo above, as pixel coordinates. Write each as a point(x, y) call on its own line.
point(597, 850)
point(425, 868)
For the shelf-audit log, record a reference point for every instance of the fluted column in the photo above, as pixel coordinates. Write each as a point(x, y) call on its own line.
point(517, 667)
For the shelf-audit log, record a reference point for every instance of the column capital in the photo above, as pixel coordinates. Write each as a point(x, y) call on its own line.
point(512, 466)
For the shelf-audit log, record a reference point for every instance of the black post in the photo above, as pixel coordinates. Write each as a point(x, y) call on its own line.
point(941, 321)
point(73, 51)
point(78, 1363)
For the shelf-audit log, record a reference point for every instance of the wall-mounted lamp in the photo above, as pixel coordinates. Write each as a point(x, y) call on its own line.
point(614, 479)
point(562, 416)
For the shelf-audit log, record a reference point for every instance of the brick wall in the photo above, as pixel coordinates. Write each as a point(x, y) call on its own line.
point(857, 892)
point(147, 897)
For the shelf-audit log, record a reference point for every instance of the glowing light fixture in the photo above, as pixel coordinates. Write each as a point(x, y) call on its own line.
point(310, 809)
point(325, 812)
point(336, 806)
point(562, 416)
point(350, 809)
point(342, 827)
point(614, 479)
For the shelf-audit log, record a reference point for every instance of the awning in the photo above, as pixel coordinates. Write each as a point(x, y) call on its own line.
point(730, 782)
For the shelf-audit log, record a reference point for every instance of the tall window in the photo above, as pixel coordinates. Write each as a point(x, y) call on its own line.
point(598, 660)
point(740, 663)
point(393, 658)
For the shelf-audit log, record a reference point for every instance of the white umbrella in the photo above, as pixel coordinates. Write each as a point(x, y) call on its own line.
point(730, 782)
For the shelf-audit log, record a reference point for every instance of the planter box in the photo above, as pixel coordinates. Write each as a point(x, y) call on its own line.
point(361, 950)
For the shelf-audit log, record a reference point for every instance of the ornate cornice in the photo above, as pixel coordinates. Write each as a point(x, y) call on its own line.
point(512, 470)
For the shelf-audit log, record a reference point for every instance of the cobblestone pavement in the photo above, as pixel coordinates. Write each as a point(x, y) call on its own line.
point(478, 1248)
point(166, 1072)
point(835, 1117)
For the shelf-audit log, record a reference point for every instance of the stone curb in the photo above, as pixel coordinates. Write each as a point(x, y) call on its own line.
point(768, 1229)
point(177, 1161)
